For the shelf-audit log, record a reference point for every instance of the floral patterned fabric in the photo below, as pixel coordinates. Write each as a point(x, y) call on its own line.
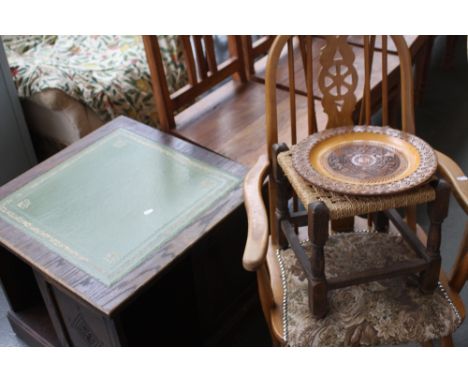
point(386, 312)
point(107, 73)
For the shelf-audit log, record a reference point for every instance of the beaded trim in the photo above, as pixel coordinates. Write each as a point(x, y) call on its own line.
point(452, 305)
point(284, 285)
point(284, 303)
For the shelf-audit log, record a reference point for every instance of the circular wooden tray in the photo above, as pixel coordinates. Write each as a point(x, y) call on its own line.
point(364, 160)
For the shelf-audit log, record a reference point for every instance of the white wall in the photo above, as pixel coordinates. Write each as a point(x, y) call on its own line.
point(16, 151)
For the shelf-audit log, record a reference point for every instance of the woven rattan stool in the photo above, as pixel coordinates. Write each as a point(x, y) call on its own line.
point(325, 206)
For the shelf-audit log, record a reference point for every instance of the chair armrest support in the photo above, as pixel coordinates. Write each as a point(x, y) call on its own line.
point(257, 234)
point(454, 175)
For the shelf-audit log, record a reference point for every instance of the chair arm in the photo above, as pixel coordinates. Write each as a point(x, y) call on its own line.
point(454, 175)
point(257, 234)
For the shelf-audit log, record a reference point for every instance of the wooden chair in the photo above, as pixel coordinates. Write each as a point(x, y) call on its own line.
point(356, 314)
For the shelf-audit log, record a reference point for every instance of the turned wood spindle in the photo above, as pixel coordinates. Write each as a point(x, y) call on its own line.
point(318, 218)
point(437, 211)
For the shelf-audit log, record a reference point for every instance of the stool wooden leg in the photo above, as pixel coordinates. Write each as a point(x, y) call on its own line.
point(318, 218)
point(343, 225)
point(437, 211)
point(283, 194)
point(380, 222)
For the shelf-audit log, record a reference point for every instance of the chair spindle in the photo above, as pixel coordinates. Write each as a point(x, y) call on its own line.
point(201, 61)
point(210, 54)
point(189, 60)
point(312, 122)
point(292, 93)
point(384, 80)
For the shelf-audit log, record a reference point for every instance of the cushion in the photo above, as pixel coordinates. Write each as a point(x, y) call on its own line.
point(387, 312)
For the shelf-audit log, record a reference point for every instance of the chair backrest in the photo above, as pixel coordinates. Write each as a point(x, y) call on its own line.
point(204, 72)
point(341, 75)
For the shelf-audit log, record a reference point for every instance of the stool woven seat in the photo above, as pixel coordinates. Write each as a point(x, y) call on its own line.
point(343, 206)
point(386, 312)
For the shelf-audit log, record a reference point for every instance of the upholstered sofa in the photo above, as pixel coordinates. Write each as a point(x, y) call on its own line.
point(71, 85)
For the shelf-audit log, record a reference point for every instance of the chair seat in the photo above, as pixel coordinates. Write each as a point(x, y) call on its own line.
point(343, 206)
point(386, 312)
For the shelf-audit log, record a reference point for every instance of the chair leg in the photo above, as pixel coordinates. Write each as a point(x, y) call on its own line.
point(446, 341)
point(460, 268)
point(265, 295)
point(318, 219)
point(343, 225)
point(381, 223)
point(437, 211)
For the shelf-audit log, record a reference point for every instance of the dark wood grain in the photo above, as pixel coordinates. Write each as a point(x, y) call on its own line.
point(408, 234)
point(318, 219)
point(394, 270)
point(283, 192)
point(294, 242)
point(74, 282)
point(380, 222)
point(437, 211)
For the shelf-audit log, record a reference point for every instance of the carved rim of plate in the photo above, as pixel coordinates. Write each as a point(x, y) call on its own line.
point(363, 183)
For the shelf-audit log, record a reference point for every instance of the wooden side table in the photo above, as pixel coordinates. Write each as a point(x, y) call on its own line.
point(127, 237)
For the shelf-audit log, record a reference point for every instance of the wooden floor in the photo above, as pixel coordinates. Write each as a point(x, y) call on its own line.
point(231, 121)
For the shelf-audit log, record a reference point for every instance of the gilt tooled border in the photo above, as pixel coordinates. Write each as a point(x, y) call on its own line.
point(426, 168)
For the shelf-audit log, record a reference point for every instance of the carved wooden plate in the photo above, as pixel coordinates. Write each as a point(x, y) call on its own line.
point(364, 160)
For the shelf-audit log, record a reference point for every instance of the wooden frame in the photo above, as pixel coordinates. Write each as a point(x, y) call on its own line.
point(203, 72)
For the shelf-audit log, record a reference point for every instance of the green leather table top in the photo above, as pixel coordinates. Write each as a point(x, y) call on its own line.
point(109, 206)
